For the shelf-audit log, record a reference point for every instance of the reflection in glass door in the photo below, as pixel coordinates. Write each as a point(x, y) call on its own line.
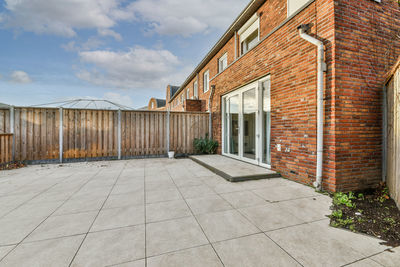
point(250, 108)
point(266, 122)
point(231, 130)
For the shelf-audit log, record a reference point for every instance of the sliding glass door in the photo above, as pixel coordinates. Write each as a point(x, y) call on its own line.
point(247, 123)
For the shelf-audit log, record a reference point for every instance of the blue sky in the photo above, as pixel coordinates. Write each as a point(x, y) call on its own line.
point(120, 50)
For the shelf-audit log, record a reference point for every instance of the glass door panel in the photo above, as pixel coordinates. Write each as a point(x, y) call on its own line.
point(250, 108)
point(233, 125)
point(266, 122)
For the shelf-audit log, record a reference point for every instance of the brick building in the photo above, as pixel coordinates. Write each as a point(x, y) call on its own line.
point(261, 78)
point(157, 104)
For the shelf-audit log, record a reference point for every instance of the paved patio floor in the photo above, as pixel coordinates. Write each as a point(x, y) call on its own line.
point(160, 212)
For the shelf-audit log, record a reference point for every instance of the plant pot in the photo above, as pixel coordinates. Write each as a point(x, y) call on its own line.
point(171, 154)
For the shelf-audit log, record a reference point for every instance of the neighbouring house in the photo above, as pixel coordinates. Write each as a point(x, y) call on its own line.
point(157, 104)
point(289, 76)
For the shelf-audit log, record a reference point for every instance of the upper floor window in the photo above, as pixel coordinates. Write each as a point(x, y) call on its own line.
point(294, 5)
point(249, 34)
point(195, 90)
point(182, 97)
point(223, 62)
point(152, 105)
point(188, 93)
point(206, 81)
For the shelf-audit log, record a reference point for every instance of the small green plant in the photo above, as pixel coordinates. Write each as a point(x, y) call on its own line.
point(205, 145)
point(344, 199)
point(389, 220)
point(337, 214)
point(361, 196)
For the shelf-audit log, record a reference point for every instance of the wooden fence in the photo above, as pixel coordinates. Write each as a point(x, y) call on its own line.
point(5, 148)
point(393, 134)
point(87, 134)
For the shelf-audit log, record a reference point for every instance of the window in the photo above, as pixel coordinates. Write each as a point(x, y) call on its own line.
point(195, 90)
point(188, 93)
point(223, 62)
point(152, 105)
point(249, 34)
point(206, 81)
point(294, 5)
point(182, 98)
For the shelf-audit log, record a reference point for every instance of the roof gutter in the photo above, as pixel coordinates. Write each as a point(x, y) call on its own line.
point(241, 19)
point(321, 68)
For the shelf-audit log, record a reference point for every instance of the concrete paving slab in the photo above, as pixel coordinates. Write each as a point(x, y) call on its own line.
point(63, 225)
point(54, 252)
point(123, 200)
point(138, 263)
point(225, 225)
point(233, 170)
point(253, 251)
point(207, 204)
point(112, 247)
point(308, 209)
point(197, 191)
point(270, 217)
point(167, 210)
point(243, 199)
point(389, 258)
point(194, 257)
point(173, 235)
point(317, 244)
point(14, 231)
point(162, 195)
point(4, 251)
point(118, 217)
point(286, 192)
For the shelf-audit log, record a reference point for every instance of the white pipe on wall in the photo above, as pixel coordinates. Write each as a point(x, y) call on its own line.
point(320, 101)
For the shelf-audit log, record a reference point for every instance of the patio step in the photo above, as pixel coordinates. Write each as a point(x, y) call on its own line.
point(234, 170)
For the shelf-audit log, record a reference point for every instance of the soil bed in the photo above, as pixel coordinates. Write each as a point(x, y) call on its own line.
point(369, 212)
point(11, 166)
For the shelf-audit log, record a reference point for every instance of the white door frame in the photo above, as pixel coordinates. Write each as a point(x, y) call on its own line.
point(257, 85)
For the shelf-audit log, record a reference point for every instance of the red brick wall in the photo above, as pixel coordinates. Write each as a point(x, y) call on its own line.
point(193, 105)
point(366, 48)
point(291, 63)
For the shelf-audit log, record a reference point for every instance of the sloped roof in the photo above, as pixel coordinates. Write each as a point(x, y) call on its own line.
point(249, 11)
point(161, 102)
point(2, 105)
point(173, 90)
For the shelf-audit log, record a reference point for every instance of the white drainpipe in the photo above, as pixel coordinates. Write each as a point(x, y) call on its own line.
point(320, 101)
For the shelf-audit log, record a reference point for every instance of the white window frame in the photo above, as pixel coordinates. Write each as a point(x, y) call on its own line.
point(221, 60)
point(251, 26)
point(152, 105)
point(188, 93)
point(206, 88)
point(195, 90)
point(183, 97)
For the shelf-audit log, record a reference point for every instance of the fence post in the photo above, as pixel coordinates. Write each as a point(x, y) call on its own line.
point(60, 132)
point(168, 118)
point(119, 134)
point(12, 131)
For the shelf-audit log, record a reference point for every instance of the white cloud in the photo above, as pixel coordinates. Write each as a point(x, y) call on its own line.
point(64, 17)
point(19, 76)
point(173, 17)
point(108, 32)
point(137, 68)
point(118, 99)
point(91, 43)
